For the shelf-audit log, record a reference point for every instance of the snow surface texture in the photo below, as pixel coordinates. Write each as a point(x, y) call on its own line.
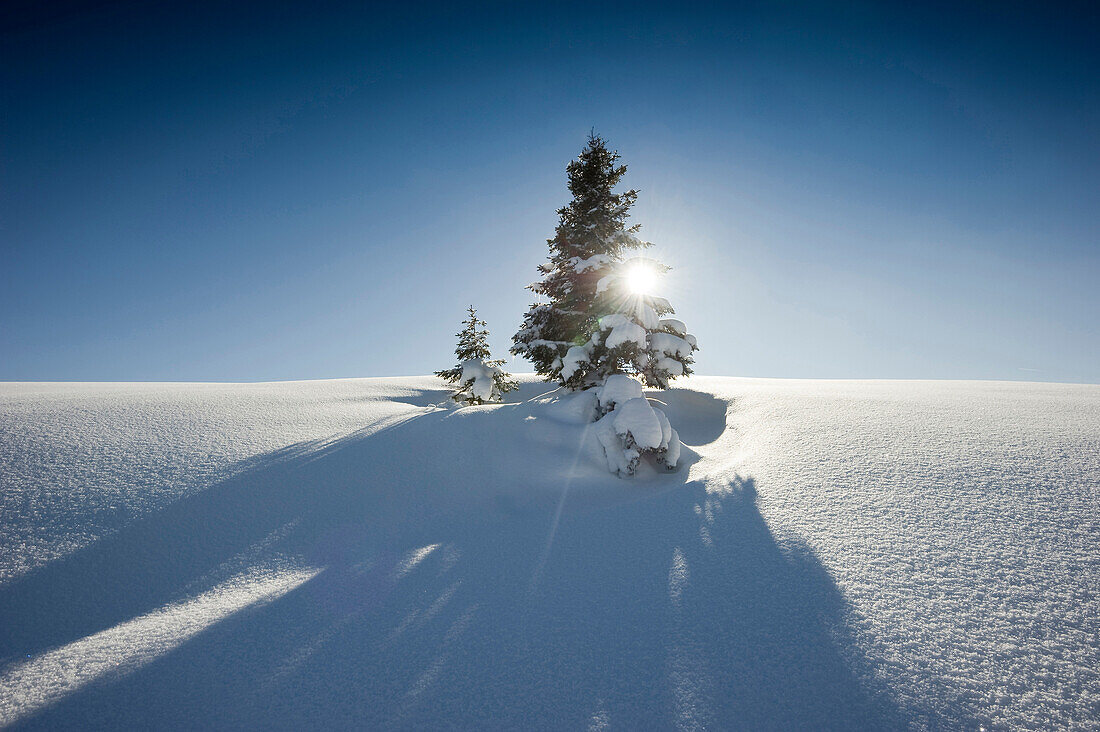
point(828, 555)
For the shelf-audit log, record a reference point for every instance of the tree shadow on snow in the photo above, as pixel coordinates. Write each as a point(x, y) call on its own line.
point(424, 398)
point(441, 603)
point(699, 418)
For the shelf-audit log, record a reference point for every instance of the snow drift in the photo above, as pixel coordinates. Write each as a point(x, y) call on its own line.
point(347, 554)
point(630, 427)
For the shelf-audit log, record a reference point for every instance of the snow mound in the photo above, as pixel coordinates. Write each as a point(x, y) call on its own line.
point(617, 389)
point(633, 429)
point(630, 427)
point(636, 419)
point(572, 408)
point(478, 378)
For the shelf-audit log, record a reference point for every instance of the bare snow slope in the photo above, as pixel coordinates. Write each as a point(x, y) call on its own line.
point(343, 553)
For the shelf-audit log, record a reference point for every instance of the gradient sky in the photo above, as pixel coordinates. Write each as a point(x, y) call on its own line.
point(195, 192)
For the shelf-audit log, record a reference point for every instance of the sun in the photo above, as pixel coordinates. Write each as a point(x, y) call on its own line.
point(641, 278)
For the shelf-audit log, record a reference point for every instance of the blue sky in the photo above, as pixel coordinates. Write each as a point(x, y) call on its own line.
point(194, 192)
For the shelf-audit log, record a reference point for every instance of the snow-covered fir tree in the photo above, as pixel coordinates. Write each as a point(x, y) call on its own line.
point(601, 319)
point(590, 238)
point(479, 379)
point(602, 326)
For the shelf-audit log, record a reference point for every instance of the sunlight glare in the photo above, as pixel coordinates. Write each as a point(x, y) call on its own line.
point(641, 279)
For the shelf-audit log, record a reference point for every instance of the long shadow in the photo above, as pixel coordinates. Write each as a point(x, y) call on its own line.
point(665, 605)
point(161, 558)
point(374, 483)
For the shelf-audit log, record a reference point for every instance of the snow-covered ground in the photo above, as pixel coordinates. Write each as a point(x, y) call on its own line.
point(830, 554)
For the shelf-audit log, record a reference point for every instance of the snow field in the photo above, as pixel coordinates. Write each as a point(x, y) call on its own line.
point(828, 555)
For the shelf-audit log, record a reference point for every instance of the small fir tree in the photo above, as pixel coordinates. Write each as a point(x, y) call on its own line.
point(479, 379)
